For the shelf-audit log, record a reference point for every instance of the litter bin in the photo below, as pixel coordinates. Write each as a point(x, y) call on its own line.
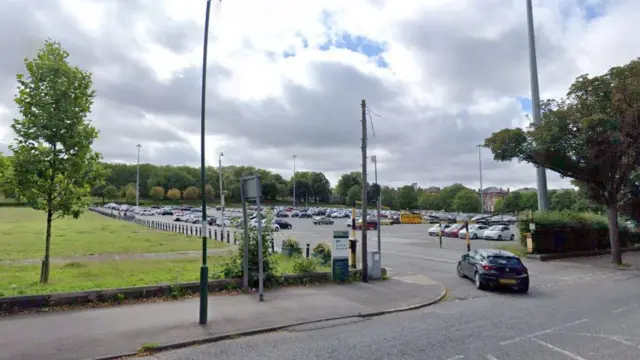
point(374, 267)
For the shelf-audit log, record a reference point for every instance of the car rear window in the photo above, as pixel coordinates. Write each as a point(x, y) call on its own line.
point(503, 260)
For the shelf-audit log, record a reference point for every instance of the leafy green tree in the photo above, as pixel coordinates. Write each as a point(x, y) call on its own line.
point(209, 192)
point(346, 182)
point(6, 177)
point(174, 194)
point(389, 197)
point(407, 198)
point(498, 206)
point(563, 200)
point(130, 193)
point(529, 200)
point(157, 193)
point(191, 193)
point(110, 192)
point(591, 136)
point(448, 194)
point(466, 201)
point(510, 203)
point(354, 194)
point(430, 201)
point(54, 165)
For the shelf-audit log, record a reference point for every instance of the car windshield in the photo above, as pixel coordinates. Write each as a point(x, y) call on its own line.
point(495, 228)
point(503, 260)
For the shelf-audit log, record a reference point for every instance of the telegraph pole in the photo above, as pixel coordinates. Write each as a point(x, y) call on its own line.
point(365, 270)
point(294, 182)
point(138, 177)
point(481, 189)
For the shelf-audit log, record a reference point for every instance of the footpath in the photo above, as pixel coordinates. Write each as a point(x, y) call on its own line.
point(121, 330)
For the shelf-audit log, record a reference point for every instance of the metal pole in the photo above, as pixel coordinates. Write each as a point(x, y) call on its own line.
point(375, 166)
point(294, 181)
point(204, 270)
point(260, 265)
point(543, 198)
point(138, 177)
point(365, 270)
point(481, 188)
point(222, 204)
point(245, 225)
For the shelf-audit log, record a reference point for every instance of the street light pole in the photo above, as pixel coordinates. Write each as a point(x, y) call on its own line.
point(222, 204)
point(543, 198)
point(138, 177)
point(481, 188)
point(374, 159)
point(294, 182)
point(204, 269)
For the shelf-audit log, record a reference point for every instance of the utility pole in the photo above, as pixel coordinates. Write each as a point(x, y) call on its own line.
point(204, 269)
point(222, 204)
point(481, 189)
point(543, 198)
point(138, 177)
point(374, 159)
point(294, 182)
point(365, 270)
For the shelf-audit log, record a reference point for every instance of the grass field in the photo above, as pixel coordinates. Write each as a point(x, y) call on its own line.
point(76, 276)
point(22, 232)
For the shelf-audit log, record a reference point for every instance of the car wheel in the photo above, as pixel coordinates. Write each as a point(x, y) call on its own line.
point(276, 229)
point(511, 237)
point(459, 270)
point(475, 236)
point(331, 223)
point(477, 281)
point(499, 237)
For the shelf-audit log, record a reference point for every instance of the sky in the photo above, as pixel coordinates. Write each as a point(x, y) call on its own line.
point(287, 77)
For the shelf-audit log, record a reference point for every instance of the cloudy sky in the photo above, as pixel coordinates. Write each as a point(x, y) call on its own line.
point(286, 77)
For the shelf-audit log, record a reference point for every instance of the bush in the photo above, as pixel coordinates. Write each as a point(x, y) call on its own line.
point(191, 193)
point(323, 253)
point(233, 268)
point(157, 193)
point(174, 194)
point(291, 247)
point(304, 266)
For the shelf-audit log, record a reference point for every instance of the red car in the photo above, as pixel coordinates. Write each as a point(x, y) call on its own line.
point(453, 231)
point(372, 224)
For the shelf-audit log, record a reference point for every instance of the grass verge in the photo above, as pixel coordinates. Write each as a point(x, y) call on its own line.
point(21, 279)
point(22, 233)
point(514, 248)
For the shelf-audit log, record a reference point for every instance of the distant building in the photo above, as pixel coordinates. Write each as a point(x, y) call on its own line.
point(490, 195)
point(432, 190)
point(526, 189)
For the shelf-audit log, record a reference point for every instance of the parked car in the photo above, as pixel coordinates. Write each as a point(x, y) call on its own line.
point(476, 231)
point(282, 214)
point(322, 220)
point(499, 232)
point(434, 230)
point(284, 224)
point(180, 216)
point(305, 215)
point(494, 268)
point(452, 231)
point(372, 224)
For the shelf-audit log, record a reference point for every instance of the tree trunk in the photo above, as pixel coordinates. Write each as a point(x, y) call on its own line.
point(614, 237)
point(47, 249)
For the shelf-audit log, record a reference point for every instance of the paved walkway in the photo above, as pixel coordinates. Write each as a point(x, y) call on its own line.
point(119, 257)
point(95, 333)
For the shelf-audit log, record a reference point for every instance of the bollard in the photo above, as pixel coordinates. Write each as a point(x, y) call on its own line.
point(191, 230)
point(308, 249)
point(228, 238)
point(273, 246)
point(353, 244)
point(209, 233)
point(466, 226)
point(152, 223)
point(440, 235)
point(215, 235)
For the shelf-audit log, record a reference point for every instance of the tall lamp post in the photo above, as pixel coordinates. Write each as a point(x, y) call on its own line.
point(138, 177)
point(204, 269)
point(221, 190)
point(543, 198)
point(481, 188)
point(374, 160)
point(294, 181)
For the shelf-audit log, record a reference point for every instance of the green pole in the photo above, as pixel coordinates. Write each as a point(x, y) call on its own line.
point(204, 269)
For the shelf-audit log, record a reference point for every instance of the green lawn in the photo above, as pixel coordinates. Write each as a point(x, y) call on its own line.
point(23, 279)
point(22, 233)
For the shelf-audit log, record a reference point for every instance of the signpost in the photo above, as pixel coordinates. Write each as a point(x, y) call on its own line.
point(340, 256)
point(250, 188)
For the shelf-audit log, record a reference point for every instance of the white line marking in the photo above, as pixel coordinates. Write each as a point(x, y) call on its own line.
point(543, 332)
point(623, 341)
point(423, 257)
point(456, 357)
point(599, 335)
point(562, 351)
point(490, 357)
point(626, 308)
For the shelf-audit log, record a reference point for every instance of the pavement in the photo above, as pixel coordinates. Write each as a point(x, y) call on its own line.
point(95, 333)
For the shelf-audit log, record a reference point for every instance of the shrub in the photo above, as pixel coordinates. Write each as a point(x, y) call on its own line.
point(157, 193)
point(233, 268)
point(174, 194)
point(304, 265)
point(322, 252)
point(191, 193)
point(291, 247)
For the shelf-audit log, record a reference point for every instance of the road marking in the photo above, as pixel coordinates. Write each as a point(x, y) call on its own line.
point(543, 332)
point(423, 257)
point(562, 351)
point(456, 357)
point(622, 341)
point(490, 357)
point(626, 308)
point(599, 335)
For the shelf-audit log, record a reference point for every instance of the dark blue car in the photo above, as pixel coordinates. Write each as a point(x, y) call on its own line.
point(494, 268)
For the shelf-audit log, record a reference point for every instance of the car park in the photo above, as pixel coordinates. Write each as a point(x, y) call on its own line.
point(452, 231)
point(372, 224)
point(499, 232)
point(435, 230)
point(494, 268)
point(283, 224)
point(322, 220)
point(476, 231)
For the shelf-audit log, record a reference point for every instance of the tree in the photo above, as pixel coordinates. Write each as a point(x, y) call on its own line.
point(191, 193)
point(430, 201)
point(209, 193)
point(346, 182)
point(354, 194)
point(130, 193)
point(54, 165)
point(6, 176)
point(466, 201)
point(157, 193)
point(389, 196)
point(448, 194)
point(510, 203)
point(563, 200)
point(529, 200)
point(110, 192)
point(591, 136)
point(174, 194)
point(407, 198)
point(498, 205)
